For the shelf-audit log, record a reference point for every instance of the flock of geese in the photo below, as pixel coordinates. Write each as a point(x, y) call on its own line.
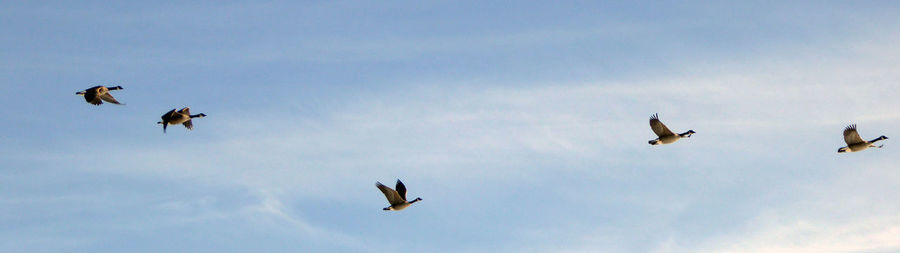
point(397, 196)
point(97, 94)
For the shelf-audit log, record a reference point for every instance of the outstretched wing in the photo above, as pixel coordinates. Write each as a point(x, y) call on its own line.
point(168, 115)
point(188, 125)
point(851, 136)
point(658, 127)
point(109, 98)
point(186, 111)
point(392, 196)
point(166, 118)
point(401, 189)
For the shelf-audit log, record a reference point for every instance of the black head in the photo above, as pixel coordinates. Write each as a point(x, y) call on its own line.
point(842, 150)
point(883, 137)
point(691, 132)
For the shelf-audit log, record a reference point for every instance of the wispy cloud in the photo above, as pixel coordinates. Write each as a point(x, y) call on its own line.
point(853, 212)
point(272, 209)
point(455, 132)
point(505, 159)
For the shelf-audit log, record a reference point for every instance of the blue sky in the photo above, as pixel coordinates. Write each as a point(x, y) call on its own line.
point(523, 126)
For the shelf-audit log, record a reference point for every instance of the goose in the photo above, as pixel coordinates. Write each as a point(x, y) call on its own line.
point(856, 143)
point(397, 198)
point(182, 116)
point(95, 94)
point(666, 136)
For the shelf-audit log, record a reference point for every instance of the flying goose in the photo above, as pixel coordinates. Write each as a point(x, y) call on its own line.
point(397, 198)
point(856, 143)
point(182, 116)
point(666, 136)
point(94, 94)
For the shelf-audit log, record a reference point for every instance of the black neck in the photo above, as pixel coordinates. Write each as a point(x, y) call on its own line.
point(415, 200)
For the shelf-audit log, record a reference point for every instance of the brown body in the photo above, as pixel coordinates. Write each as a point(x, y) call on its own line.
point(182, 116)
point(855, 143)
point(665, 135)
point(97, 94)
point(397, 198)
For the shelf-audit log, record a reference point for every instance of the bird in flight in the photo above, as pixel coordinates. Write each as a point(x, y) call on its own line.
point(666, 136)
point(95, 94)
point(397, 198)
point(856, 143)
point(182, 116)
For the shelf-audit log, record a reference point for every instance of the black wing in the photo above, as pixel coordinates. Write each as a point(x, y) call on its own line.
point(166, 117)
point(401, 189)
point(91, 97)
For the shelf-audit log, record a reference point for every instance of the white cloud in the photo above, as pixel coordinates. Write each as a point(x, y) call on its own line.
point(870, 234)
point(447, 133)
point(855, 211)
point(464, 137)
